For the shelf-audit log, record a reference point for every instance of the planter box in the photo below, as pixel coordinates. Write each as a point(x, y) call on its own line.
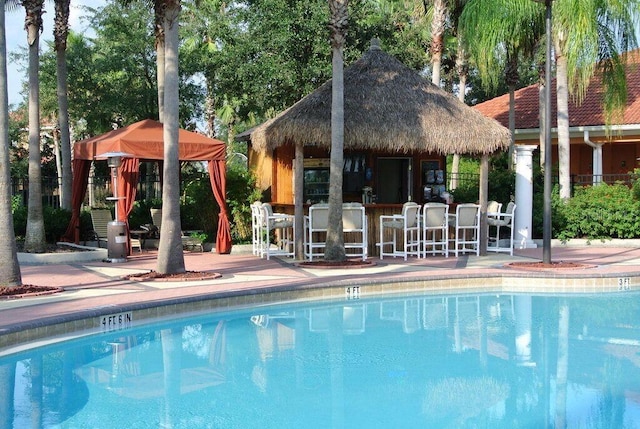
point(83, 254)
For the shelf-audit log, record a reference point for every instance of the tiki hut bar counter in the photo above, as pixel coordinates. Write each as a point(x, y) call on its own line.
point(398, 129)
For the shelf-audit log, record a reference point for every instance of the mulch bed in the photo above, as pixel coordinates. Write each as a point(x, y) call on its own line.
point(349, 263)
point(27, 291)
point(541, 266)
point(175, 277)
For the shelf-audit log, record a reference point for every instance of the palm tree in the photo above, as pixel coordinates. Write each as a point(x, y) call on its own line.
point(206, 36)
point(159, 9)
point(584, 34)
point(334, 250)
point(438, 27)
point(9, 267)
point(60, 33)
point(159, 16)
point(170, 256)
point(462, 69)
point(34, 237)
point(587, 33)
point(500, 33)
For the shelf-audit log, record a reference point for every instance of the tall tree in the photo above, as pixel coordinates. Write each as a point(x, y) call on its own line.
point(35, 237)
point(159, 12)
point(500, 33)
point(170, 256)
point(462, 69)
point(60, 33)
point(158, 31)
point(334, 250)
point(9, 267)
point(208, 33)
point(438, 27)
point(590, 34)
point(586, 34)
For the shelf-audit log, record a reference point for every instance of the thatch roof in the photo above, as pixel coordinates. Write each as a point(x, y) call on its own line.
point(387, 106)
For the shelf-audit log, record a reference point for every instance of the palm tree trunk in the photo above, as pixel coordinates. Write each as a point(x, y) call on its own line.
point(437, 38)
point(334, 249)
point(543, 107)
point(170, 256)
point(564, 160)
point(34, 238)
point(9, 267)
point(512, 77)
point(210, 109)
point(61, 30)
point(463, 72)
point(159, 11)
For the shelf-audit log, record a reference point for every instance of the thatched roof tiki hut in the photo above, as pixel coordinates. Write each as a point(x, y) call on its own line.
point(390, 111)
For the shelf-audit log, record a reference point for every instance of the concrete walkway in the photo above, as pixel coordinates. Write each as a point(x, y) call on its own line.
point(94, 288)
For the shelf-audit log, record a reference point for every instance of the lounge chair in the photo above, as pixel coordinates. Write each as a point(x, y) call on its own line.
point(100, 219)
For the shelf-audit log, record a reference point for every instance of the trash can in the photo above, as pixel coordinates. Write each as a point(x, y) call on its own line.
point(116, 241)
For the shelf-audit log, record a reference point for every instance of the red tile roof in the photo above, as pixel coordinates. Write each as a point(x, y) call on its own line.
point(589, 113)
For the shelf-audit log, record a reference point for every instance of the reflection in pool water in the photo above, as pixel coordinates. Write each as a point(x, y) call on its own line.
point(464, 361)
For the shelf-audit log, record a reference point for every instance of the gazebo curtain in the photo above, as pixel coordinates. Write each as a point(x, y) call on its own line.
point(217, 176)
point(128, 174)
point(81, 169)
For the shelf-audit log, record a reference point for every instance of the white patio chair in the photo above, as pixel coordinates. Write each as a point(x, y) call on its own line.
point(435, 229)
point(354, 228)
point(405, 224)
point(493, 207)
point(283, 228)
point(316, 224)
point(256, 227)
point(496, 221)
point(466, 229)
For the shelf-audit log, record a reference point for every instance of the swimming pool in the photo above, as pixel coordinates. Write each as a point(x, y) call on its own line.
point(437, 361)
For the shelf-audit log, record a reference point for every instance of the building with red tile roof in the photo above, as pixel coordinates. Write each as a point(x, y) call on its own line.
point(616, 150)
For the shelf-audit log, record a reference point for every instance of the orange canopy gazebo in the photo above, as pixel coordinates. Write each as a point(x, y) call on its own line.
point(144, 140)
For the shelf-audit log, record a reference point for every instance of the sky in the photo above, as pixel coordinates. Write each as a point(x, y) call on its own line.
point(17, 37)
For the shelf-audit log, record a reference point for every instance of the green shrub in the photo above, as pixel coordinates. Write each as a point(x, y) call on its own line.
point(502, 184)
point(141, 213)
point(199, 209)
point(600, 212)
point(86, 226)
point(19, 220)
point(241, 192)
point(55, 223)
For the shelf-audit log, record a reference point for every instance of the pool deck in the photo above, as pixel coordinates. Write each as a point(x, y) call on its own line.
point(95, 287)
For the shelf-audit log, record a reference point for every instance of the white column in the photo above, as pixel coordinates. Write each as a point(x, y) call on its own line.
point(524, 197)
point(597, 164)
point(597, 158)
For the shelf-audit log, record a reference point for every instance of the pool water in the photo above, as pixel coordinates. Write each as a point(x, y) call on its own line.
point(454, 361)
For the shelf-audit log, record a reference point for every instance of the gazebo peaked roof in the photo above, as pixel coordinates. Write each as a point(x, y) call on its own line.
point(386, 106)
point(145, 140)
